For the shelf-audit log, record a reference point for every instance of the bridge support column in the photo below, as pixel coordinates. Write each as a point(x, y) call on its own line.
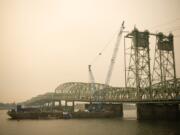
point(157, 111)
point(73, 105)
point(119, 110)
point(53, 104)
point(65, 103)
point(60, 103)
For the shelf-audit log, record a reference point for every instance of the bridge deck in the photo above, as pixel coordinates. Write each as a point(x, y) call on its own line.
point(83, 92)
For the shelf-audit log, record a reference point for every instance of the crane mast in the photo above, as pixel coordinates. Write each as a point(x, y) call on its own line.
point(92, 80)
point(91, 76)
point(114, 55)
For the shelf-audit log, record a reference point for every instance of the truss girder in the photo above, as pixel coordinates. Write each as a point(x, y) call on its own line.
point(78, 91)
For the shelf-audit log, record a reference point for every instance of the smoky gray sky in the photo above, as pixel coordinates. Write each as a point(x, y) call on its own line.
point(44, 43)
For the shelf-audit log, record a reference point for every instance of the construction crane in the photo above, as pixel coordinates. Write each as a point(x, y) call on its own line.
point(114, 55)
point(91, 76)
point(92, 80)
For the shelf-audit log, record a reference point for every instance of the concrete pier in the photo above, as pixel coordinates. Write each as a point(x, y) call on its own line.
point(67, 107)
point(157, 111)
point(60, 105)
point(73, 104)
point(66, 102)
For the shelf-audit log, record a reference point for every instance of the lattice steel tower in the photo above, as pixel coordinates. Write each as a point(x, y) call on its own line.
point(164, 61)
point(137, 74)
point(164, 68)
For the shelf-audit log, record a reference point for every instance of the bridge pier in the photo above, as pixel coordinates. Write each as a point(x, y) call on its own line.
point(66, 103)
point(73, 104)
point(69, 107)
point(158, 111)
point(118, 109)
point(53, 104)
point(60, 104)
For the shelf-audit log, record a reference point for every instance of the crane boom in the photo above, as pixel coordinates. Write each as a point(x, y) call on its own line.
point(92, 80)
point(91, 76)
point(114, 55)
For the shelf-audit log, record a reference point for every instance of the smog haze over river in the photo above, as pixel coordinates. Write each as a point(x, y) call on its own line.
point(44, 43)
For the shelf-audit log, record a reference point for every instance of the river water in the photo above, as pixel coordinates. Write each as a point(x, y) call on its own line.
point(116, 126)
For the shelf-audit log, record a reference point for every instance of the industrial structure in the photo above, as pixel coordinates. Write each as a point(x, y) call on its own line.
point(156, 92)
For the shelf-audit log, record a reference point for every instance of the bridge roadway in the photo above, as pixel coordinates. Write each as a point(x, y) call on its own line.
point(164, 92)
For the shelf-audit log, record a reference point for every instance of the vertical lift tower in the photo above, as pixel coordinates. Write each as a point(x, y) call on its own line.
point(164, 76)
point(164, 70)
point(137, 74)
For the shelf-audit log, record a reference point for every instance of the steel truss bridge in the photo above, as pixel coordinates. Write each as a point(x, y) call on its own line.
point(140, 84)
point(79, 91)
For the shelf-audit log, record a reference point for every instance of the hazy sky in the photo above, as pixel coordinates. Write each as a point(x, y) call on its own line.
point(44, 43)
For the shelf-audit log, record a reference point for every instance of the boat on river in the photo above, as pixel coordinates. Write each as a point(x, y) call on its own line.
point(33, 113)
point(37, 113)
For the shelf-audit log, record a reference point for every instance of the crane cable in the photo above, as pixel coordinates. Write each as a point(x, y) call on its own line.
point(104, 48)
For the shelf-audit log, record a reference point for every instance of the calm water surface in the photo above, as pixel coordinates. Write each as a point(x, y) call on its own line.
point(126, 126)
